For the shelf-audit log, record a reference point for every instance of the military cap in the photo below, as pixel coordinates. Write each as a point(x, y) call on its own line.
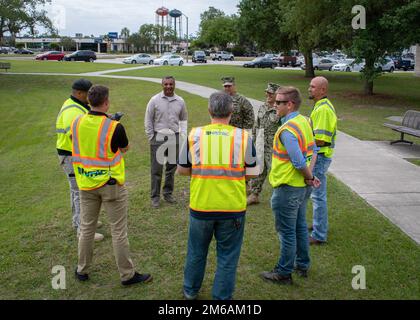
point(228, 80)
point(82, 85)
point(272, 88)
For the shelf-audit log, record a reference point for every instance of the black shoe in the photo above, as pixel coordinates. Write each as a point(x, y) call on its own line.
point(138, 278)
point(301, 272)
point(315, 242)
point(276, 277)
point(189, 297)
point(169, 198)
point(80, 276)
point(155, 203)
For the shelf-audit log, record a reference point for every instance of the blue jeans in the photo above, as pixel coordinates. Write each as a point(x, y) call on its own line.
point(289, 209)
point(229, 234)
point(319, 199)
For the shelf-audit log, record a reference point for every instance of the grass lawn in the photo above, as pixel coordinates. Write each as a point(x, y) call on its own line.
point(23, 66)
point(359, 116)
point(36, 231)
point(415, 161)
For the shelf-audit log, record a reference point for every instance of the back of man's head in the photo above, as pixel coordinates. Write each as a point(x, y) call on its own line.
point(220, 105)
point(97, 95)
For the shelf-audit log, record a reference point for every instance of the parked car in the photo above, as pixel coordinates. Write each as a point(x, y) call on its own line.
point(50, 55)
point(81, 55)
point(139, 58)
point(261, 62)
point(23, 51)
point(387, 65)
point(199, 56)
point(4, 50)
point(222, 55)
point(404, 63)
point(345, 65)
point(172, 60)
point(326, 64)
point(288, 58)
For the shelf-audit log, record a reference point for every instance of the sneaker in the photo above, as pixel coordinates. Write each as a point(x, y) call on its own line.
point(80, 276)
point(189, 297)
point(138, 278)
point(155, 203)
point(313, 241)
point(301, 272)
point(98, 236)
point(252, 199)
point(276, 277)
point(169, 198)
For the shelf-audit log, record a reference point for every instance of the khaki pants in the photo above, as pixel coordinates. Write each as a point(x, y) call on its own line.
point(114, 198)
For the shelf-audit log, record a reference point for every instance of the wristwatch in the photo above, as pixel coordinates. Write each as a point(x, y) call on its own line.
point(313, 178)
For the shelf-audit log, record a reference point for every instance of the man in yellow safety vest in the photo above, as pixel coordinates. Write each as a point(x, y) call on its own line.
point(97, 147)
point(292, 179)
point(73, 107)
point(219, 158)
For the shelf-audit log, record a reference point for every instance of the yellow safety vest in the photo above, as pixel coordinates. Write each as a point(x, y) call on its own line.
point(94, 162)
point(282, 169)
point(69, 111)
point(218, 168)
point(324, 122)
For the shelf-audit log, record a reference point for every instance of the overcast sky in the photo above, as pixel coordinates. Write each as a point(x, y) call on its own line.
point(99, 17)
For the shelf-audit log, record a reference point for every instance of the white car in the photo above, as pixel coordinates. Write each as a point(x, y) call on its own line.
point(139, 58)
point(172, 60)
point(346, 65)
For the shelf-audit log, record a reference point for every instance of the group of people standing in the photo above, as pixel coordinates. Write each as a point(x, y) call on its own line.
point(226, 176)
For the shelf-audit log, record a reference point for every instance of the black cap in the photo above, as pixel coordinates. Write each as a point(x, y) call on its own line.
point(82, 85)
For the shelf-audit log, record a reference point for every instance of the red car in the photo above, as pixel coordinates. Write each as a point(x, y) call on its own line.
point(51, 55)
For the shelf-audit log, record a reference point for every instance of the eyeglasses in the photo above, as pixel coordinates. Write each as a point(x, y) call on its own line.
point(279, 102)
point(227, 85)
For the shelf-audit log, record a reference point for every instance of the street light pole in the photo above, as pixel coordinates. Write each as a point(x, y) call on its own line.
point(187, 35)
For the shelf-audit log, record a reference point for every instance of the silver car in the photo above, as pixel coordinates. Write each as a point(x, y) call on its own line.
point(139, 58)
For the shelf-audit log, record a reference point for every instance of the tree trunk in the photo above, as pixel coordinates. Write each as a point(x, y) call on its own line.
point(368, 87)
point(309, 66)
point(369, 74)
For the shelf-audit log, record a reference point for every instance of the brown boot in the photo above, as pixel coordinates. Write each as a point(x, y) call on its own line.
point(253, 199)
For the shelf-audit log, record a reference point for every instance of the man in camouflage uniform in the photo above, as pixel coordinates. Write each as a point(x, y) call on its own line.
point(266, 124)
point(243, 112)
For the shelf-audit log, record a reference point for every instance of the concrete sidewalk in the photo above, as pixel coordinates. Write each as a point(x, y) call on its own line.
point(379, 174)
point(376, 171)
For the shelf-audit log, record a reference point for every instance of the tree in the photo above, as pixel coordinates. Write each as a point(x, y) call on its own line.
point(391, 26)
point(67, 43)
point(258, 23)
point(18, 15)
point(125, 33)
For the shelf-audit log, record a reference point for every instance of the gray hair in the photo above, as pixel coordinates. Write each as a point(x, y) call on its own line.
point(168, 78)
point(220, 105)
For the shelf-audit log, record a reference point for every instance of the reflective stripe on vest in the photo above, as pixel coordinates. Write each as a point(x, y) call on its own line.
point(282, 169)
point(218, 168)
point(63, 123)
point(201, 168)
point(95, 163)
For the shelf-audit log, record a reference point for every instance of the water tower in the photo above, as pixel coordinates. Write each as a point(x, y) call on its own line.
point(176, 20)
point(162, 21)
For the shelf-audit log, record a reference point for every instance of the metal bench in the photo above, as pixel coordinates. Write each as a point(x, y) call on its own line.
point(5, 65)
point(410, 125)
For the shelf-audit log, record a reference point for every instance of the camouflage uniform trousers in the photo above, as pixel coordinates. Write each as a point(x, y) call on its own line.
point(256, 184)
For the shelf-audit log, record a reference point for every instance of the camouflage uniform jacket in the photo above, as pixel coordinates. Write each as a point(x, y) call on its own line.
point(268, 121)
point(243, 113)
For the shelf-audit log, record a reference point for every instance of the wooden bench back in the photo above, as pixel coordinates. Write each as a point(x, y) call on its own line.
point(4, 65)
point(412, 119)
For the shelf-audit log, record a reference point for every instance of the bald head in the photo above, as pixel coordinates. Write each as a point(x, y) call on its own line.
point(318, 88)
